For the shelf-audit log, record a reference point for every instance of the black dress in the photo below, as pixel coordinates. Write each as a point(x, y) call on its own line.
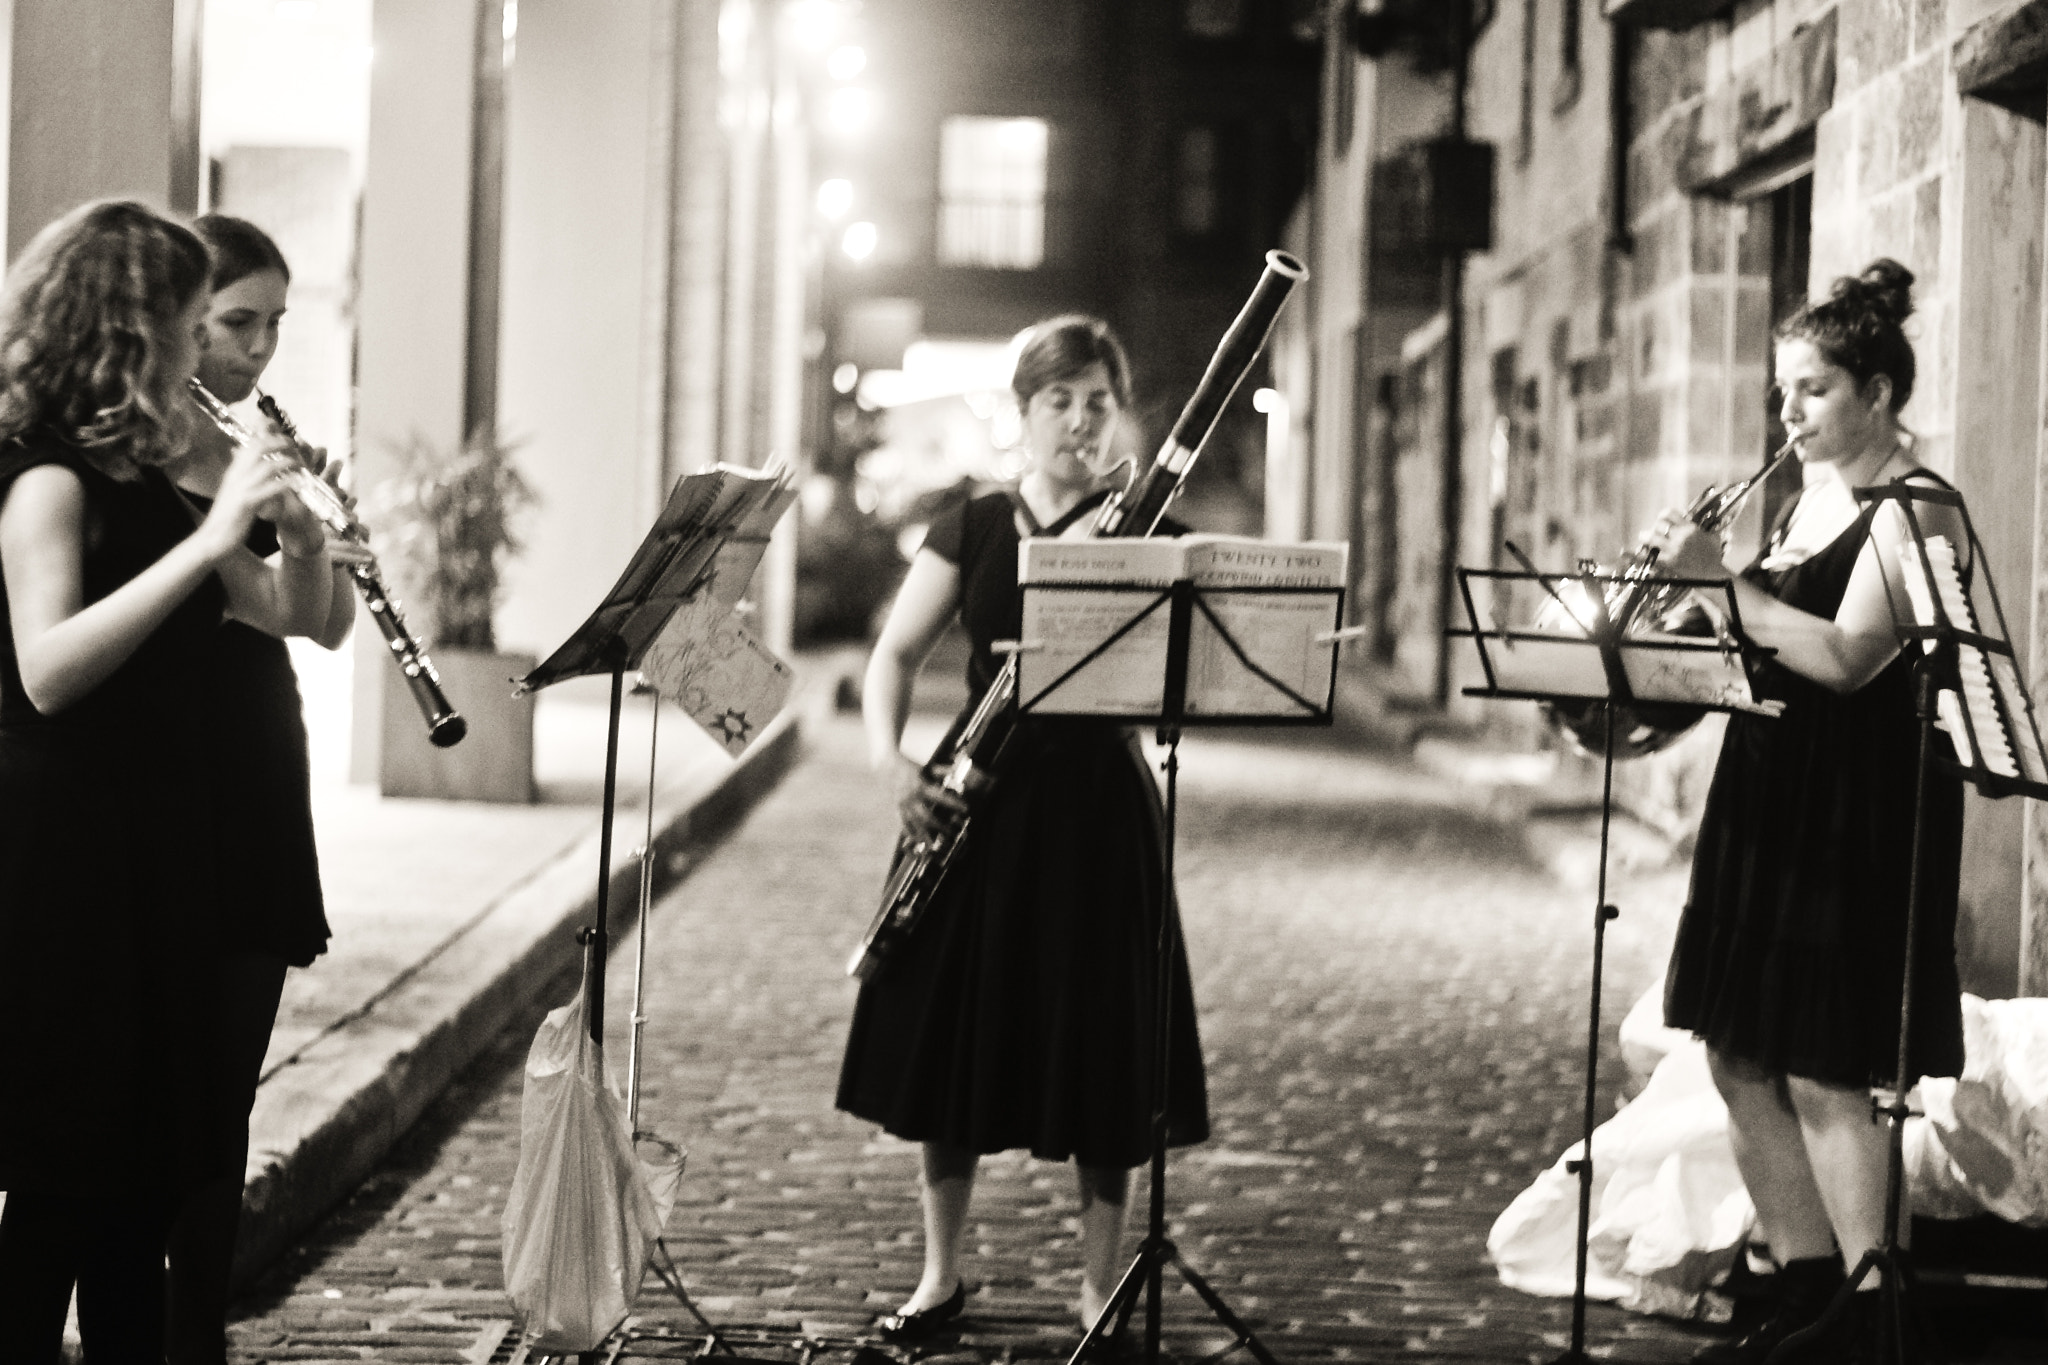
point(110, 860)
point(1019, 1015)
point(1791, 949)
point(272, 900)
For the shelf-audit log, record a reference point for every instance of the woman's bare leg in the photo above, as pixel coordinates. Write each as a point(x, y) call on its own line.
point(1849, 1151)
point(947, 1187)
point(1772, 1153)
point(1103, 1193)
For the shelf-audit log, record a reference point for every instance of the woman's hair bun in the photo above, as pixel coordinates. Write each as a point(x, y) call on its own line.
point(1884, 289)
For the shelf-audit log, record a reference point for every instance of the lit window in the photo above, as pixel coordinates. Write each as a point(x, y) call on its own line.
point(1214, 18)
point(992, 192)
point(1195, 202)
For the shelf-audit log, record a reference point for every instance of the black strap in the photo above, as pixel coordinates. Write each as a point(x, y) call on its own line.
point(1063, 521)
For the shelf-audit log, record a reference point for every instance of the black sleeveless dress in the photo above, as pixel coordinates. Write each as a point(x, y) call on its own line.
point(1791, 949)
point(272, 899)
point(1019, 1015)
point(110, 856)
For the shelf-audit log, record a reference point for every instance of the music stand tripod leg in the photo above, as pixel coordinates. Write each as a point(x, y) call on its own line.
point(1583, 1166)
point(1157, 1251)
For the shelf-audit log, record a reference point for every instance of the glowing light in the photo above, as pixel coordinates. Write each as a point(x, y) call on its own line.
point(846, 62)
point(835, 198)
point(849, 111)
point(859, 240)
point(298, 11)
point(814, 24)
point(1262, 399)
point(845, 377)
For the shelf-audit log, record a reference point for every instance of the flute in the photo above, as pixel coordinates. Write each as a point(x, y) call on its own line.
point(445, 726)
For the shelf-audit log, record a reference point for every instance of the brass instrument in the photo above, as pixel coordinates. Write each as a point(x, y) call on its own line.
point(445, 726)
point(1639, 600)
point(967, 765)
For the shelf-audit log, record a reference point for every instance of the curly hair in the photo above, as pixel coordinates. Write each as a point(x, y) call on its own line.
point(1860, 326)
point(83, 320)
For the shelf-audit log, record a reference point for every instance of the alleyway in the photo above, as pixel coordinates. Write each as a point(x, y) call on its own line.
point(1392, 1000)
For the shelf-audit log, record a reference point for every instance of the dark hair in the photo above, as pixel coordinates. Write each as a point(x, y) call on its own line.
point(239, 249)
point(1860, 326)
point(82, 321)
point(1060, 348)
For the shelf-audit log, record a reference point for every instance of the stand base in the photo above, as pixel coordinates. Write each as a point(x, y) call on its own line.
point(1903, 1336)
point(1154, 1255)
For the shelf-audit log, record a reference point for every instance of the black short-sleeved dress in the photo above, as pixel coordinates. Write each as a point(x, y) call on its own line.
point(1791, 949)
point(1019, 1015)
point(110, 857)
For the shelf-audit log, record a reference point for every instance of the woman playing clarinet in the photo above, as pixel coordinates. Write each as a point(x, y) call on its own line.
point(113, 836)
point(270, 914)
point(1020, 1013)
point(1791, 951)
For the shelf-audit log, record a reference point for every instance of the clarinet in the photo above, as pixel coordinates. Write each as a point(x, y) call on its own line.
point(445, 726)
point(971, 757)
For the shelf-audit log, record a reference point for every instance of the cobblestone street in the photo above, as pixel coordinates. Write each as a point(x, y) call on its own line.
point(1393, 1004)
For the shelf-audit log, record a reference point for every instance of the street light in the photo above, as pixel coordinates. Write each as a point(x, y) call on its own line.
point(846, 62)
point(849, 111)
point(835, 198)
point(858, 242)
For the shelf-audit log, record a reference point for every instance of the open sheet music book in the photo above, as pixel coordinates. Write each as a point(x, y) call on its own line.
point(2000, 715)
point(1241, 640)
point(672, 614)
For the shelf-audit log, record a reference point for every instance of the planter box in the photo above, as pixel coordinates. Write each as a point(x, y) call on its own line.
point(494, 761)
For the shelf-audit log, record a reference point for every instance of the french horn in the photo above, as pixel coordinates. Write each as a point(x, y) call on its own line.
point(1639, 601)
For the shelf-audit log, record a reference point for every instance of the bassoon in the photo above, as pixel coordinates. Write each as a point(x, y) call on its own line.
point(445, 726)
point(969, 763)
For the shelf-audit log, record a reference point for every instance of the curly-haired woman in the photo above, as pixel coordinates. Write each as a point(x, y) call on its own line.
point(112, 590)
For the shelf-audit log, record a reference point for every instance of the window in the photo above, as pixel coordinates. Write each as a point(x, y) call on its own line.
point(992, 192)
point(1194, 207)
point(1214, 18)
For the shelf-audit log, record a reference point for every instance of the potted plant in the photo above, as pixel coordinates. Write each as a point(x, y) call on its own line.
point(444, 523)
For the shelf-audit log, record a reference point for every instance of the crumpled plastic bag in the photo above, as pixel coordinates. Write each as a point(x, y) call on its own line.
point(1670, 1213)
point(580, 1222)
point(1984, 1146)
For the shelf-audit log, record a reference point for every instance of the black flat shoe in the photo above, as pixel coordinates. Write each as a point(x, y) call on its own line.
point(925, 1321)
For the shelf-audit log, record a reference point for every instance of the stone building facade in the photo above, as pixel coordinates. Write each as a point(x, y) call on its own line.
point(1670, 178)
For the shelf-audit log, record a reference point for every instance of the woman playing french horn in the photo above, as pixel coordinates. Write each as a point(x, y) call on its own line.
point(1791, 949)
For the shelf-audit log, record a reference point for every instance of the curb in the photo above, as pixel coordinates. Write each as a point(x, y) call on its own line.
point(321, 1124)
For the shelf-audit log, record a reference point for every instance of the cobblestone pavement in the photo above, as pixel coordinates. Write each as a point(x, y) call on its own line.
point(1393, 1011)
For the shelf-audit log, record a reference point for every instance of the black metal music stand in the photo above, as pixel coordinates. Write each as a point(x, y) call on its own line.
point(1594, 659)
point(1169, 707)
point(1930, 628)
point(677, 561)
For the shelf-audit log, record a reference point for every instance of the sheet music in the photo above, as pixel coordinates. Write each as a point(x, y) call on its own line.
point(708, 663)
point(707, 538)
point(1275, 630)
point(1064, 626)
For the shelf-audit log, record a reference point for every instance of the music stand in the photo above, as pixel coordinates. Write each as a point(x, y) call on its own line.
point(1971, 683)
point(1110, 657)
point(1595, 659)
point(703, 547)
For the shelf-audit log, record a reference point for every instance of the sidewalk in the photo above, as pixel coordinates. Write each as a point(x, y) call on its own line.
point(448, 917)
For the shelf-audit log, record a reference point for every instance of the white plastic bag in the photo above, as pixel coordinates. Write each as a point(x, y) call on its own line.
point(579, 1221)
